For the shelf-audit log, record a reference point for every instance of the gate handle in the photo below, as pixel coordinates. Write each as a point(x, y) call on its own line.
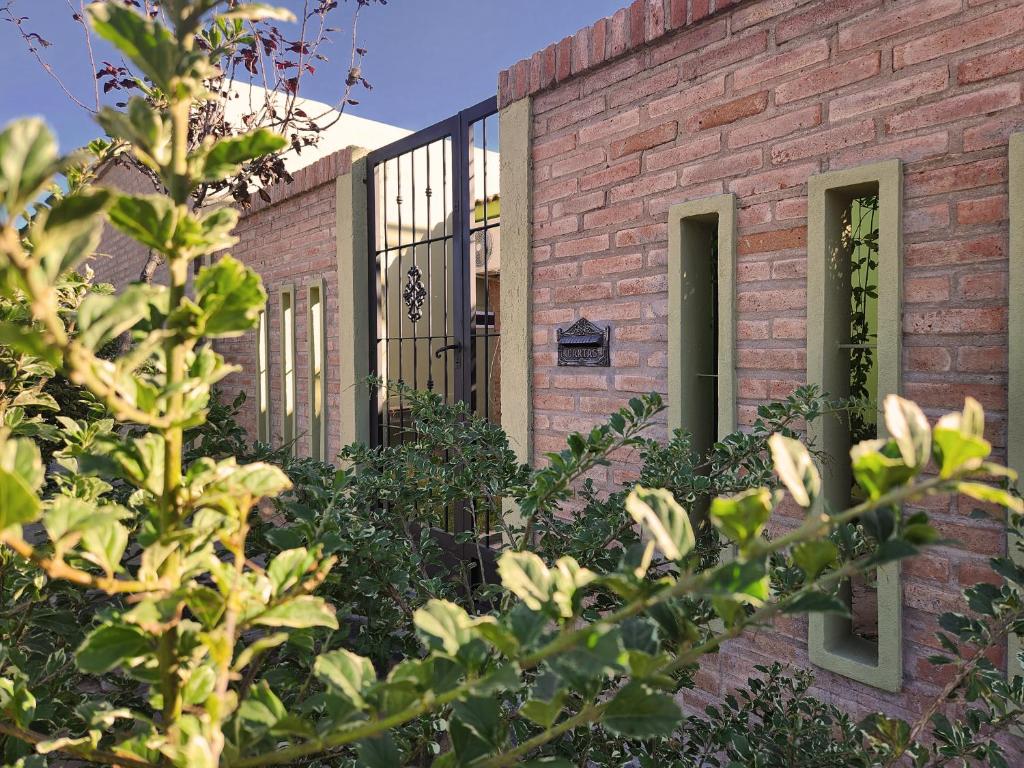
point(456, 347)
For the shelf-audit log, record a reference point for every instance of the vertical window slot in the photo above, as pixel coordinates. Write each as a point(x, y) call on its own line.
point(288, 367)
point(317, 372)
point(853, 289)
point(263, 378)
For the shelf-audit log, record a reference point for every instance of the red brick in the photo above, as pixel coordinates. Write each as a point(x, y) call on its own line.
point(909, 150)
point(752, 330)
point(789, 328)
point(737, 49)
point(991, 65)
point(977, 286)
point(959, 37)
point(821, 15)
point(755, 13)
point(579, 204)
point(644, 186)
point(730, 112)
point(958, 107)
point(926, 290)
point(641, 384)
point(888, 95)
point(563, 59)
point(638, 89)
point(581, 246)
point(776, 127)
point(684, 153)
point(638, 286)
point(984, 320)
point(878, 26)
point(654, 21)
point(610, 126)
point(792, 208)
point(981, 359)
point(952, 178)
point(830, 79)
point(651, 233)
point(753, 271)
point(771, 300)
point(928, 359)
point(824, 142)
point(567, 381)
point(771, 359)
point(556, 228)
point(575, 112)
point(608, 216)
point(992, 133)
point(563, 271)
point(598, 34)
point(577, 162)
point(754, 215)
point(772, 181)
point(946, 252)
point(553, 147)
point(644, 140)
point(730, 165)
point(545, 193)
point(788, 269)
point(688, 41)
point(573, 294)
point(780, 64)
point(581, 51)
point(618, 33)
point(926, 219)
point(985, 210)
point(613, 264)
point(616, 173)
point(677, 14)
point(622, 310)
point(686, 98)
point(775, 240)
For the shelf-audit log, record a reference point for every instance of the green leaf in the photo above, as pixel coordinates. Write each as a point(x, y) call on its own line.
point(63, 236)
point(661, 517)
point(16, 701)
point(199, 686)
point(299, 612)
point(288, 567)
point(28, 161)
point(110, 646)
point(347, 674)
point(143, 127)
point(147, 44)
point(817, 602)
point(812, 557)
point(225, 158)
point(795, 469)
point(482, 717)
point(105, 544)
point(909, 427)
point(151, 220)
point(21, 471)
point(443, 626)
point(742, 518)
point(958, 440)
point(104, 317)
point(638, 712)
point(379, 752)
point(992, 495)
point(526, 576)
point(230, 297)
point(878, 466)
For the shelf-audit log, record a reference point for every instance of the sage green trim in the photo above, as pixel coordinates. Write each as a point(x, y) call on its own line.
point(689, 226)
point(516, 278)
point(831, 642)
point(288, 393)
point(516, 288)
point(263, 422)
point(353, 308)
point(316, 338)
point(1015, 415)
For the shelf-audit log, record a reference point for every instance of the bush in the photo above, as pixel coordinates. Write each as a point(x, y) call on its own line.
point(201, 650)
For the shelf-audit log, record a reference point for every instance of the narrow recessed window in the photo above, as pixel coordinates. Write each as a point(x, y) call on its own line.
point(853, 290)
point(317, 371)
point(288, 367)
point(1015, 417)
point(702, 319)
point(263, 378)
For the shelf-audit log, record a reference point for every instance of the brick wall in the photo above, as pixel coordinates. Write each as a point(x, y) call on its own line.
point(289, 241)
point(670, 101)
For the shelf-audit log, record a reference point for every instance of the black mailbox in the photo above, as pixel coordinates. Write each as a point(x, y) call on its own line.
point(584, 344)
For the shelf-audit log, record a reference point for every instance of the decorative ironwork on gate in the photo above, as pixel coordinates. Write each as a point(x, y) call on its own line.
point(434, 240)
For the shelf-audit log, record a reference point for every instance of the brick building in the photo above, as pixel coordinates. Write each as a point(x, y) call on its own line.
point(676, 129)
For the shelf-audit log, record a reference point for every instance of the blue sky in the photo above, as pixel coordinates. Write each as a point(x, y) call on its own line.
point(427, 58)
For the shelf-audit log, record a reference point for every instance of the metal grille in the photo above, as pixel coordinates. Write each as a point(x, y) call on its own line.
point(434, 240)
point(434, 217)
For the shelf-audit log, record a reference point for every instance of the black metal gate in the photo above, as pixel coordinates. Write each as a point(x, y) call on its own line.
point(434, 218)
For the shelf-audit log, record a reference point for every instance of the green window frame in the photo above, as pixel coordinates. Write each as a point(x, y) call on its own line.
point(316, 319)
point(1015, 416)
point(263, 378)
point(701, 401)
point(832, 643)
point(288, 392)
